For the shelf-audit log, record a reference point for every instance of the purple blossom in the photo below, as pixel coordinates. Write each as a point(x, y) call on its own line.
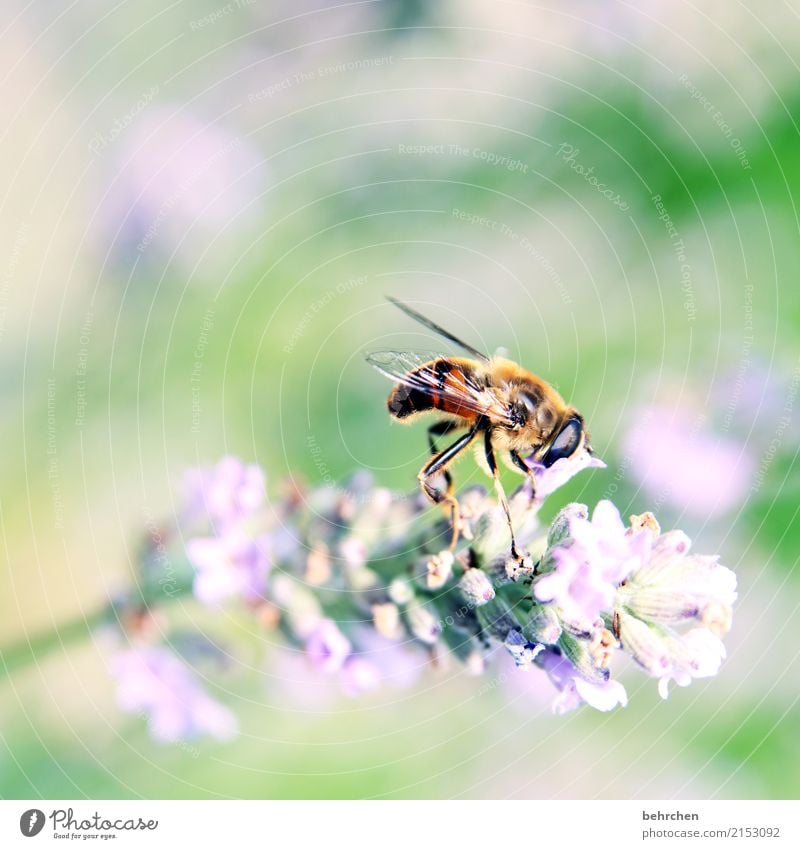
point(694, 469)
point(231, 566)
point(226, 494)
point(360, 675)
point(327, 647)
point(154, 681)
point(548, 479)
point(178, 181)
point(397, 665)
point(589, 565)
point(575, 690)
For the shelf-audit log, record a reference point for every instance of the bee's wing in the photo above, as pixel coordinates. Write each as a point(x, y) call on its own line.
point(418, 371)
point(438, 329)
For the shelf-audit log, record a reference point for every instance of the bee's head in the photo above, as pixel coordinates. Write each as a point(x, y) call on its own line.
point(567, 440)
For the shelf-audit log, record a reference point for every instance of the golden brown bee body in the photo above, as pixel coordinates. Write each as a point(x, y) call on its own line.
point(503, 409)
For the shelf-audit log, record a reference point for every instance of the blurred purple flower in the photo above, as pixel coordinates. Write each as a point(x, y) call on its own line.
point(398, 664)
point(231, 566)
point(177, 181)
point(327, 647)
point(224, 494)
point(676, 459)
point(156, 682)
point(589, 565)
point(359, 675)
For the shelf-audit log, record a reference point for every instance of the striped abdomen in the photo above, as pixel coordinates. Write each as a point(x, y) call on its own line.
point(450, 385)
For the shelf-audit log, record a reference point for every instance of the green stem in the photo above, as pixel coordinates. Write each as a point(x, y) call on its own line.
point(29, 650)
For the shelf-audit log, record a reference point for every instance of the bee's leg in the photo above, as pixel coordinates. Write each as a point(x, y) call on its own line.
point(525, 469)
point(437, 465)
point(442, 429)
point(501, 493)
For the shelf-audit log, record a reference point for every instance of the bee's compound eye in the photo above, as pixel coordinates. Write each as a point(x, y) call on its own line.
point(566, 443)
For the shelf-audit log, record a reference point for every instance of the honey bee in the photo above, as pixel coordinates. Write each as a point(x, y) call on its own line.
point(503, 410)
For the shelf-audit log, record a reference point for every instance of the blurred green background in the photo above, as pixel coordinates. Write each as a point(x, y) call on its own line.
point(204, 207)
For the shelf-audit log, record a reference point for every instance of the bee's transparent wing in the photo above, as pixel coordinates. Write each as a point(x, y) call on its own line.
point(459, 385)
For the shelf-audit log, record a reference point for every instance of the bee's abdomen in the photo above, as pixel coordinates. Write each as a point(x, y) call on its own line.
point(434, 386)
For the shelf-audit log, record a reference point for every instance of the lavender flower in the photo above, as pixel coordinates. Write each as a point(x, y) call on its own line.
point(327, 647)
point(694, 469)
point(575, 690)
point(590, 563)
point(178, 181)
point(673, 587)
point(154, 681)
point(363, 595)
point(226, 494)
point(548, 479)
point(230, 566)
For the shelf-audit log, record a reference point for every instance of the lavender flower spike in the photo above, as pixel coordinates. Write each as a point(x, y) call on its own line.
point(153, 680)
point(354, 580)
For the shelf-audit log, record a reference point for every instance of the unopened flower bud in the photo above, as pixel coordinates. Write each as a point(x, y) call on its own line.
point(543, 625)
point(497, 619)
point(422, 623)
point(476, 587)
point(440, 568)
point(560, 529)
point(386, 618)
point(580, 654)
point(400, 591)
point(318, 565)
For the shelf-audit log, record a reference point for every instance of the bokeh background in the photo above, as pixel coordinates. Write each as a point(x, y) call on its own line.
point(204, 205)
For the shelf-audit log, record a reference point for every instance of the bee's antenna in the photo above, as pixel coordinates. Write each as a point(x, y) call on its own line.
point(426, 322)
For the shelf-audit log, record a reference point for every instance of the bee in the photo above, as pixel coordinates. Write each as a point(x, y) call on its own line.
point(502, 409)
